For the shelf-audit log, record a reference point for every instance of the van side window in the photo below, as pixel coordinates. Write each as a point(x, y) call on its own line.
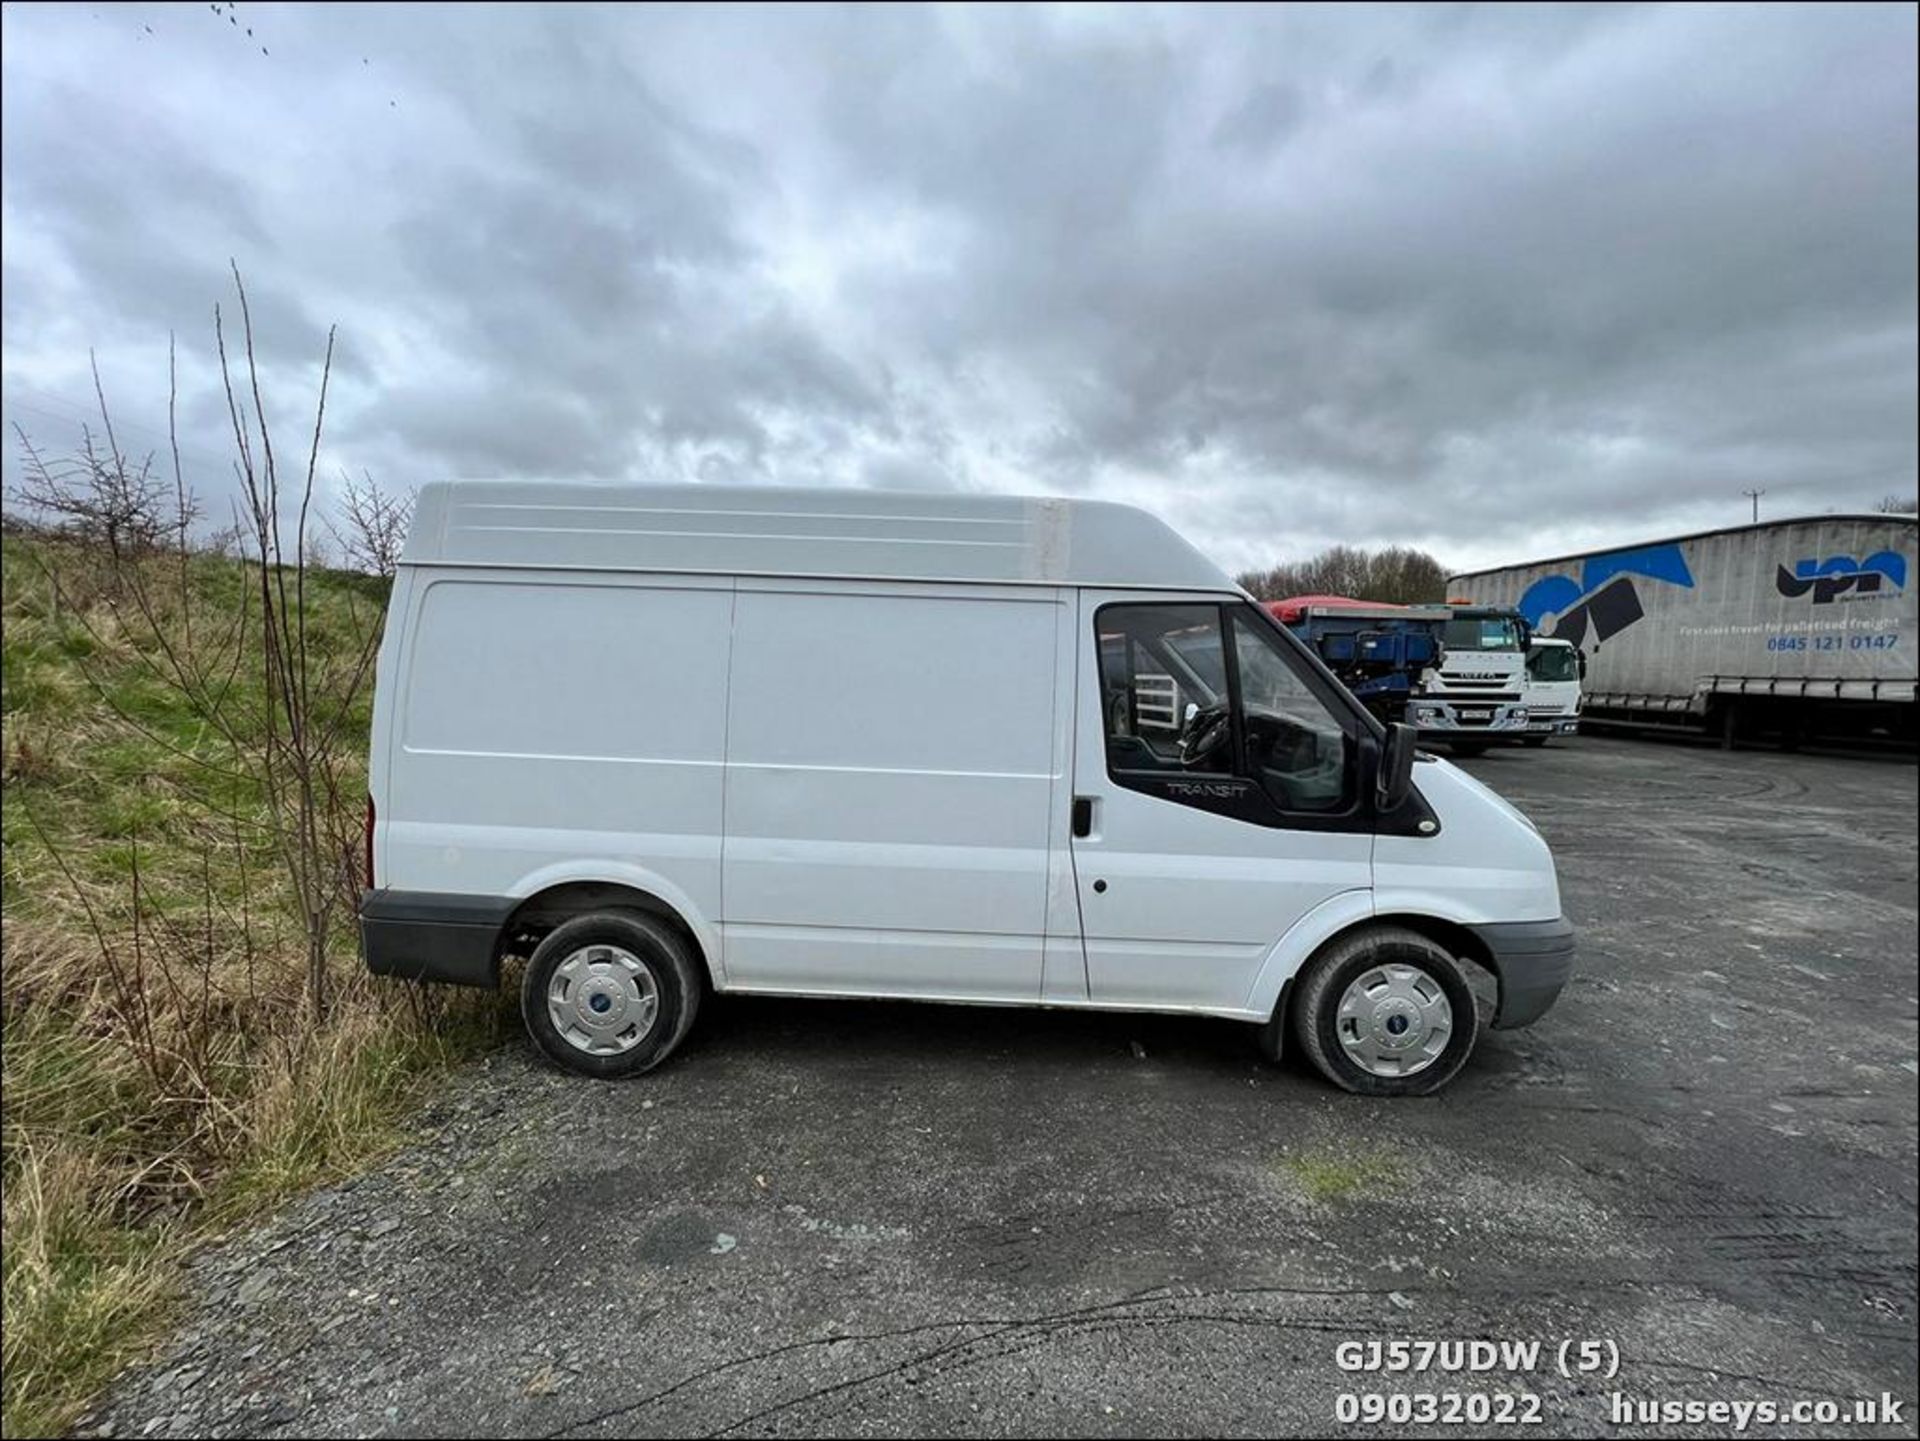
point(1296, 748)
point(1203, 706)
point(1163, 683)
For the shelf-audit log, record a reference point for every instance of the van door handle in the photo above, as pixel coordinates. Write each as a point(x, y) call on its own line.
point(1083, 816)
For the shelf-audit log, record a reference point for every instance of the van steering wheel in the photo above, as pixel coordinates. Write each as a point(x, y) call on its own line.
point(1207, 730)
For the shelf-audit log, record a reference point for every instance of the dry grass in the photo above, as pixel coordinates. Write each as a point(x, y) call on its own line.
point(166, 1075)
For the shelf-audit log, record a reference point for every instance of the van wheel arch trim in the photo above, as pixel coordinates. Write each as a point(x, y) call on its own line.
point(655, 893)
point(557, 901)
point(1491, 948)
point(1303, 939)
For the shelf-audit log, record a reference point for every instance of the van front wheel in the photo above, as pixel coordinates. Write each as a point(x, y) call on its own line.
point(1383, 1011)
point(610, 993)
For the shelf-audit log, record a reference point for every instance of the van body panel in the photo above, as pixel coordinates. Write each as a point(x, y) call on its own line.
point(557, 727)
point(603, 668)
point(1487, 864)
point(1181, 906)
point(886, 830)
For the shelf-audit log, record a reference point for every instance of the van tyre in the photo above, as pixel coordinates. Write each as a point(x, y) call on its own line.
point(1383, 1011)
point(610, 994)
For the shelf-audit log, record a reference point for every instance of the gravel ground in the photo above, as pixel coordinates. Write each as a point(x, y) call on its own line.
point(852, 1219)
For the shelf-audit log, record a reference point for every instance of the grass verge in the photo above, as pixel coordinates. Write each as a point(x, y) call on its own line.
point(163, 1077)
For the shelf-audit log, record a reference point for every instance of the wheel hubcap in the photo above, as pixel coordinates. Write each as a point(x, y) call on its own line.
point(603, 1000)
point(1394, 1020)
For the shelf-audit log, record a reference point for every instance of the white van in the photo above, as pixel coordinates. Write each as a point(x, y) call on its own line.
point(951, 748)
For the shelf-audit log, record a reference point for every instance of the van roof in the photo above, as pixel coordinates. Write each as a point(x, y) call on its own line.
point(782, 531)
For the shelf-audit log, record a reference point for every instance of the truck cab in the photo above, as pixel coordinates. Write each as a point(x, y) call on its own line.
point(1477, 694)
point(1555, 669)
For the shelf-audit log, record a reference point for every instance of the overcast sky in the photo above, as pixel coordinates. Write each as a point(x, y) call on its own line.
point(1497, 282)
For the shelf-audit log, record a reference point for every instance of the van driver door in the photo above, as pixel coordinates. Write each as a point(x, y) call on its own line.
point(1217, 797)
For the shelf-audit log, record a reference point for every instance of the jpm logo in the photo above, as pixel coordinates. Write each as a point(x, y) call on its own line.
point(1839, 574)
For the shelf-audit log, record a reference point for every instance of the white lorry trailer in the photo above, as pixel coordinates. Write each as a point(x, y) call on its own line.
point(1794, 628)
point(661, 741)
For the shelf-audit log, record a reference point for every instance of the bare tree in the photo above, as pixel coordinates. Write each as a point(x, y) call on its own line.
point(1397, 575)
point(299, 761)
point(372, 525)
point(287, 740)
point(1898, 505)
point(99, 494)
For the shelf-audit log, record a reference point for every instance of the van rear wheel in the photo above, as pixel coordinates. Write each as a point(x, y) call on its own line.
point(610, 993)
point(1383, 1011)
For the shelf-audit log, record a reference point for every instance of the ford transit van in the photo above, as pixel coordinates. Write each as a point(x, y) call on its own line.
point(667, 741)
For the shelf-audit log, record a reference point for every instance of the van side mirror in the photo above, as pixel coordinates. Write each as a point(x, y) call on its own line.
point(1581, 657)
point(1396, 766)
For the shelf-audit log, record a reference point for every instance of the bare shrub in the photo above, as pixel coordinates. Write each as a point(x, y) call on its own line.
point(272, 710)
point(372, 526)
point(184, 753)
point(102, 496)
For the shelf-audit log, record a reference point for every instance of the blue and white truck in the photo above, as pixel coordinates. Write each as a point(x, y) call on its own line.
point(1456, 674)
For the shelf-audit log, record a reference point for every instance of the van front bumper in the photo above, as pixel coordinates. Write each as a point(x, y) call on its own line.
point(1532, 960)
point(432, 936)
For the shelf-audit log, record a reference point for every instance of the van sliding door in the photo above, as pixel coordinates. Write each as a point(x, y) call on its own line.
point(892, 770)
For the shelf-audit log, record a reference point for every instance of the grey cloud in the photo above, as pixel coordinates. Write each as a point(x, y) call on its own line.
point(1479, 278)
point(1269, 114)
point(124, 197)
